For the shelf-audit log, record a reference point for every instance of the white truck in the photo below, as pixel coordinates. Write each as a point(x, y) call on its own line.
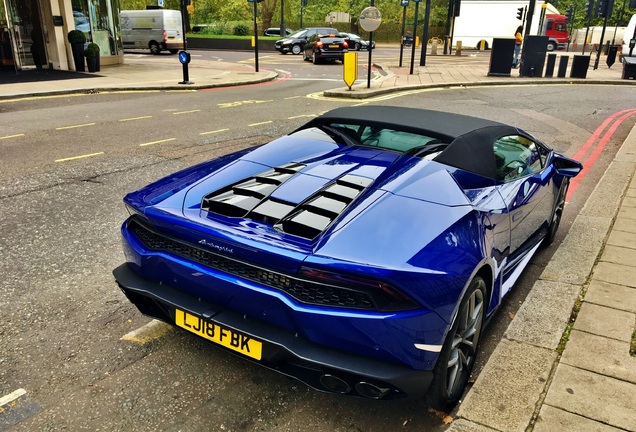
point(485, 20)
point(154, 29)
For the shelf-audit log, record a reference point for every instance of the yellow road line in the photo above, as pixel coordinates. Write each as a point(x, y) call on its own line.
point(79, 157)
point(300, 116)
point(11, 136)
point(214, 131)
point(186, 112)
point(135, 118)
point(75, 126)
point(261, 123)
point(151, 331)
point(156, 142)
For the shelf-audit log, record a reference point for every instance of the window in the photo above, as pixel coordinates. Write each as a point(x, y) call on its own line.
point(517, 156)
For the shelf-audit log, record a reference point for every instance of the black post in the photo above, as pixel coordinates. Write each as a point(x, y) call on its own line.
point(370, 53)
point(283, 33)
point(403, 30)
point(427, 17)
point(186, 74)
point(600, 43)
point(447, 41)
point(417, 6)
point(256, 37)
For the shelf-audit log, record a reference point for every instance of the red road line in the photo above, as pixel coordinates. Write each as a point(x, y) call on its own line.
point(596, 152)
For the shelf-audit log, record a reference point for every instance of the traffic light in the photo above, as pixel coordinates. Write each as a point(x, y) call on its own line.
point(568, 15)
point(520, 14)
point(604, 8)
point(589, 8)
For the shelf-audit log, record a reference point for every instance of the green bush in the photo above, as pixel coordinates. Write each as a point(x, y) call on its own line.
point(76, 36)
point(92, 50)
point(241, 30)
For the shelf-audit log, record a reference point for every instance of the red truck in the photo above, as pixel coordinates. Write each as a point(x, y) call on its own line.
point(556, 29)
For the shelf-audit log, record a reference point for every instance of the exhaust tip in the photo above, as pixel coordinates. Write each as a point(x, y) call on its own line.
point(371, 391)
point(335, 384)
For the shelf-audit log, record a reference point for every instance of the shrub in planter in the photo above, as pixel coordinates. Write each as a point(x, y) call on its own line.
point(77, 39)
point(92, 57)
point(241, 30)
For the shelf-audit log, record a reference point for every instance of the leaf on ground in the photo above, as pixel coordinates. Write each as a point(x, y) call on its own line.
point(445, 418)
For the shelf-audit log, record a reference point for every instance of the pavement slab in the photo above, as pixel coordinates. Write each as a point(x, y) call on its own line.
point(599, 354)
point(544, 314)
point(611, 295)
point(463, 425)
point(616, 273)
point(622, 238)
point(553, 419)
point(506, 392)
point(620, 255)
point(609, 192)
point(607, 322)
point(626, 225)
point(594, 396)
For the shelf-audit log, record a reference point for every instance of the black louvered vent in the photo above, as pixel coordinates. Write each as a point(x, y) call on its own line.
point(250, 198)
point(316, 213)
point(240, 198)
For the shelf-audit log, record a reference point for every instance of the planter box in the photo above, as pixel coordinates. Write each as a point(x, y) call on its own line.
point(229, 44)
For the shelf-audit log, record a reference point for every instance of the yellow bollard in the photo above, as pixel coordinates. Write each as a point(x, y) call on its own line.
point(482, 45)
point(253, 41)
point(458, 48)
point(417, 41)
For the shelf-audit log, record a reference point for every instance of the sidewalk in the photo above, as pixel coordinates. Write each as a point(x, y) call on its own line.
point(530, 382)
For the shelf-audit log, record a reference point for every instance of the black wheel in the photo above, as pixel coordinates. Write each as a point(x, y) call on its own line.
point(457, 357)
point(551, 46)
point(154, 48)
point(314, 58)
point(357, 46)
point(558, 212)
point(305, 58)
point(295, 49)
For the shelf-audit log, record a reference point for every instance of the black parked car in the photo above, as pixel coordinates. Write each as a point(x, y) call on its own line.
point(357, 43)
point(330, 46)
point(296, 42)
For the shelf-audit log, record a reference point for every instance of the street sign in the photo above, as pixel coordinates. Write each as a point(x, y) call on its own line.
point(404, 3)
point(160, 3)
point(350, 68)
point(370, 19)
point(184, 57)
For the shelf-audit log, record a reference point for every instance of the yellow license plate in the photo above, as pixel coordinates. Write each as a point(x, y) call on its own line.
point(219, 334)
point(334, 46)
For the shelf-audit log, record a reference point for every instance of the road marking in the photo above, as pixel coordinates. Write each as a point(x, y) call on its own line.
point(75, 126)
point(149, 332)
point(156, 142)
point(135, 118)
point(32, 98)
point(214, 131)
point(79, 157)
point(186, 112)
point(301, 116)
point(293, 97)
point(261, 123)
point(11, 397)
point(11, 136)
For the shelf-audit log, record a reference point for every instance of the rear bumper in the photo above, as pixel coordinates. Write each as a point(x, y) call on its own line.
point(319, 367)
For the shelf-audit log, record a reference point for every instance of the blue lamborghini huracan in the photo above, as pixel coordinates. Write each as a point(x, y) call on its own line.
point(360, 254)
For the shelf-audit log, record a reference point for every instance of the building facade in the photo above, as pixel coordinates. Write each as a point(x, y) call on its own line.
point(34, 32)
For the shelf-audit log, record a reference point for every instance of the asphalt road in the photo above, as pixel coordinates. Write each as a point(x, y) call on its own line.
point(66, 163)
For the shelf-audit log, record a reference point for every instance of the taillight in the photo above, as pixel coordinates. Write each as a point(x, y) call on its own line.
point(385, 296)
point(165, 37)
point(345, 44)
point(319, 44)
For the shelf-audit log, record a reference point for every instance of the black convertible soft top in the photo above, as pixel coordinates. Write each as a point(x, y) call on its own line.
point(470, 139)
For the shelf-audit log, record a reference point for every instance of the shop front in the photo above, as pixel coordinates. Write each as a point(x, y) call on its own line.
point(34, 32)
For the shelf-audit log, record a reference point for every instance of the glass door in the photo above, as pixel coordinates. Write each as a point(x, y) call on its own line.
point(27, 34)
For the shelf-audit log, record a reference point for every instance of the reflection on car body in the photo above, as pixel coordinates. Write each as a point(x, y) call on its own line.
point(361, 254)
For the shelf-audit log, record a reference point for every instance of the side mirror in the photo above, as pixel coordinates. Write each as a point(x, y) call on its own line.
point(565, 166)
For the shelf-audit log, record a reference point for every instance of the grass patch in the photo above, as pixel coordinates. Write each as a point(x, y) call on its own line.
point(632, 347)
point(575, 313)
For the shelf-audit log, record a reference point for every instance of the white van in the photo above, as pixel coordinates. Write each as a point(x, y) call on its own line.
point(154, 29)
point(629, 35)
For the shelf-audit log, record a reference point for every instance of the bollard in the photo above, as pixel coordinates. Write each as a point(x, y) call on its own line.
point(563, 65)
point(580, 64)
point(549, 69)
point(458, 48)
point(482, 45)
point(434, 47)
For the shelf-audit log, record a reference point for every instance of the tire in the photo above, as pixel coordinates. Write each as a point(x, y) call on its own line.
point(154, 48)
point(305, 58)
point(314, 58)
point(551, 46)
point(295, 49)
point(357, 46)
point(174, 51)
point(558, 212)
point(457, 357)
